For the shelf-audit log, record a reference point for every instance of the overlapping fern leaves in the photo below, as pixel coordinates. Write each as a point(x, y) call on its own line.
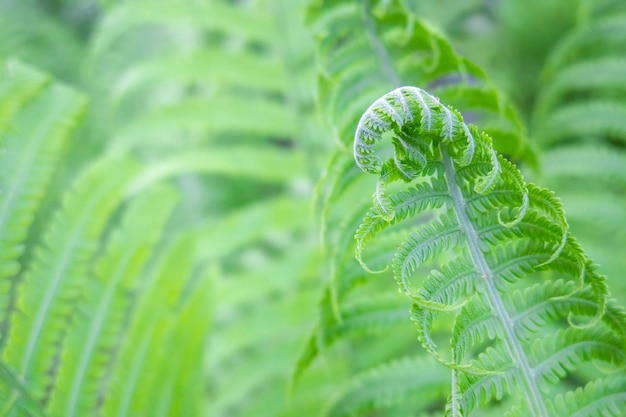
point(108, 349)
point(578, 123)
point(528, 306)
point(31, 151)
point(64, 327)
point(136, 303)
point(235, 140)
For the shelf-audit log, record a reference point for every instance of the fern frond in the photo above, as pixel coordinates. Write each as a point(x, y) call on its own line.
point(482, 388)
point(206, 66)
point(394, 384)
point(137, 359)
point(391, 47)
point(18, 84)
point(50, 45)
point(417, 199)
point(95, 335)
point(561, 351)
point(576, 166)
point(245, 225)
point(591, 119)
point(214, 15)
point(434, 239)
point(595, 39)
point(61, 269)
point(604, 76)
point(596, 398)
point(234, 161)
point(244, 331)
point(12, 389)
point(497, 256)
point(32, 147)
point(179, 384)
point(582, 80)
point(208, 118)
point(367, 316)
point(115, 358)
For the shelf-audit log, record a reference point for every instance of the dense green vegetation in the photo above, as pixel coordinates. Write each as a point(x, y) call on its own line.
point(186, 230)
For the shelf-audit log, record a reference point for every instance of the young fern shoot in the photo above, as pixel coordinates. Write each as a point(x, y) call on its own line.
point(523, 306)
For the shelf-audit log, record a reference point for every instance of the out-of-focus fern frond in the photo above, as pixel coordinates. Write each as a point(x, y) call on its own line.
point(214, 106)
point(36, 118)
point(583, 159)
point(404, 385)
point(56, 280)
point(52, 45)
point(12, 389)
point(142, 367)
point(95, 337)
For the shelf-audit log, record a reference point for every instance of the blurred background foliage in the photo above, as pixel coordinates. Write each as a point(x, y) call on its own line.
point(199, 178)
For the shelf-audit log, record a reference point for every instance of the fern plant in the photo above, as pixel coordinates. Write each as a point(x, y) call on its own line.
point(528, 307)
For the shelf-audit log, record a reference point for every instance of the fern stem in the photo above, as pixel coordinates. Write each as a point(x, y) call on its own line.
point(514, 348)
point(455, 409)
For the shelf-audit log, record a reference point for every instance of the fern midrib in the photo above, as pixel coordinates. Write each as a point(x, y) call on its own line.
point(513, 346)
point(455, 406)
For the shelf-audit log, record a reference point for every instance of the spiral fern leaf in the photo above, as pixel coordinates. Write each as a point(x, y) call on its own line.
point(490, 259)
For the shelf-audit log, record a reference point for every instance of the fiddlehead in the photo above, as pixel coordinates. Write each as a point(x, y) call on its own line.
point(496, 237)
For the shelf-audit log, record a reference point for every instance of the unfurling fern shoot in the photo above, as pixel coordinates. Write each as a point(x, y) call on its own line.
point(490, 260)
